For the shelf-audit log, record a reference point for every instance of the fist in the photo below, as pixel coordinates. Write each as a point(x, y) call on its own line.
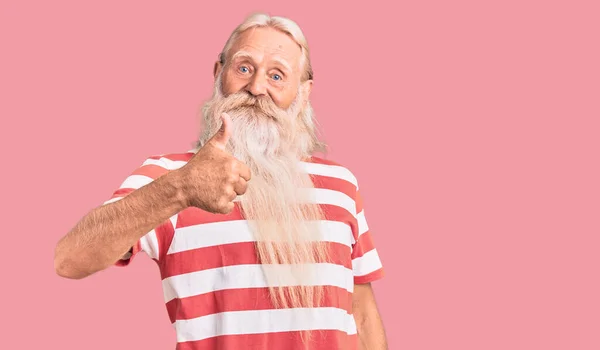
point(213, 178)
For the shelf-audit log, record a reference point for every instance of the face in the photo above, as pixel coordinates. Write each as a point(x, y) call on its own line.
point(266, 63)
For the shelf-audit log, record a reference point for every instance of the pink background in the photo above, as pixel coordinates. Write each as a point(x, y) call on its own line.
point(473, 129)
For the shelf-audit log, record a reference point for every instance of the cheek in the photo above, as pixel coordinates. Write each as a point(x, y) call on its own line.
point(284, 99)
point(230, 85)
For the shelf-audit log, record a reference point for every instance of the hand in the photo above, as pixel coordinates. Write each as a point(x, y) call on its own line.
point(213, 178)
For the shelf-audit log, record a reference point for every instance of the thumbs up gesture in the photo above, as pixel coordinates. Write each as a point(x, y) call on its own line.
point(213, 178)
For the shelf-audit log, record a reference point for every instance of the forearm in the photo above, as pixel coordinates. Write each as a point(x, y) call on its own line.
point(371, 334)
point(105, 234)
point(369, 325)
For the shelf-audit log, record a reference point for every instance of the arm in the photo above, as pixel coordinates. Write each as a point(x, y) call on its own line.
point(371, 334)
point(367, 267)
point(210, 180)
point(108, 232)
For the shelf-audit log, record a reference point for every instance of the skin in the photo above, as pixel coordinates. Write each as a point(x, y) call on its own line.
point(371, 333)
point(263, 62)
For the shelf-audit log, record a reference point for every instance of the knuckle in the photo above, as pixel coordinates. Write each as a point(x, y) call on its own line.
point(225, 187)
point(234, 165)
point(222, 203)
point(232, 177)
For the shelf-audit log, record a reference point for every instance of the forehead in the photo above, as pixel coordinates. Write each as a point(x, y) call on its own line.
point(267, 43)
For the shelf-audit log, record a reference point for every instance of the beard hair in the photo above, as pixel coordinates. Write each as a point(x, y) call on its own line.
point(285, 224)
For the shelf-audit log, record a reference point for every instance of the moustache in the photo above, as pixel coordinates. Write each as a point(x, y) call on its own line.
point(243, 103)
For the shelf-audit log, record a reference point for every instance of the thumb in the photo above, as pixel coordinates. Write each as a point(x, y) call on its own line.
point(222, 136)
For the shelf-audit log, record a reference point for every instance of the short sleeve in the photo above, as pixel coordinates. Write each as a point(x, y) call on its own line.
point(151, 169)
point(366, 264)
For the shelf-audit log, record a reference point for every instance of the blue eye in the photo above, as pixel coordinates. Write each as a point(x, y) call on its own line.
point(277, 77)
point(244, 69)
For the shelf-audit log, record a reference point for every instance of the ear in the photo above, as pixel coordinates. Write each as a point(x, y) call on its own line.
point(217, 69)
point(307, 88)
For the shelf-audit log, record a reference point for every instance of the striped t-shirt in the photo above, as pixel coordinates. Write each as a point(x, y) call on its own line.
point(214, 288)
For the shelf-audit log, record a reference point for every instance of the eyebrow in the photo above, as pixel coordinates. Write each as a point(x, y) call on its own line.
point(248, 55)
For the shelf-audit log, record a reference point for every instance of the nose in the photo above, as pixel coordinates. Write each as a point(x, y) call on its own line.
point(257, 85)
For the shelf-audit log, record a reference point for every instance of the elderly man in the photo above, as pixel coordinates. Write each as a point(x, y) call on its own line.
point(260, 243)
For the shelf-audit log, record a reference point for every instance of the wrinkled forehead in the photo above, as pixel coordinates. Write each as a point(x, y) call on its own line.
point(267, 45)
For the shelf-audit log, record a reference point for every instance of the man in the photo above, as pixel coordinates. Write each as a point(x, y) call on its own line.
point(260, 244)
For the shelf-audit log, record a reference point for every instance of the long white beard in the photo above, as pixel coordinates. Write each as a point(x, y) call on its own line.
point(272, 143)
